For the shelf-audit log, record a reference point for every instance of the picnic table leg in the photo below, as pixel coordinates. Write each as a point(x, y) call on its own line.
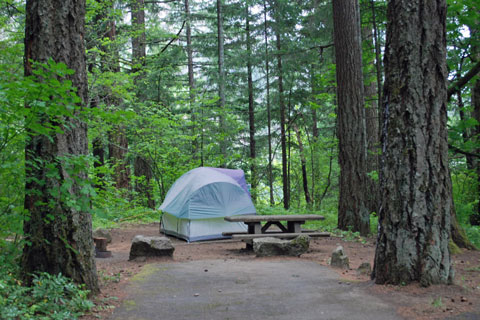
point(295, 226)
point(254, 227)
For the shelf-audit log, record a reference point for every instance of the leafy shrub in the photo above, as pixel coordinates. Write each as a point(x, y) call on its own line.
point(473, 234)
point(49, 297)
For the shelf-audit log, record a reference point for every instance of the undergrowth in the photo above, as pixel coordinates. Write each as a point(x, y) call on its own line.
point(49, 297)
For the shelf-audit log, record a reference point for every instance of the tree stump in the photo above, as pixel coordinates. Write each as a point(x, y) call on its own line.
point(101, 248)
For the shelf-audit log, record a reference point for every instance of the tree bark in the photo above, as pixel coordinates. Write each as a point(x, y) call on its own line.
point(191, 79)
point(378, 53)
point(141, 169)
point(58, 235)
point(269, 115)
point(118, 143)
point(372, 128)
point(141, 165)
point(283, 137)
point(251, 109)
point(117, 152)
point(221, 82)
point(475, 218)
point(303, 161)
point(414, 219)
point(465, 132)
point(352, 209)
point(139, 47)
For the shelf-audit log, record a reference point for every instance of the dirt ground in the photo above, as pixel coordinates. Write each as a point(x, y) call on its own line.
point(411, 301)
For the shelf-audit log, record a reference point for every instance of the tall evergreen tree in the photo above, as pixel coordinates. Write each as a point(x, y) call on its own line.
point(352, 204)
point(414, 219)
point(58, 234)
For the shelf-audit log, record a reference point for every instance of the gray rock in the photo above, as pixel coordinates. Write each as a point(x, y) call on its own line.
point(365, 268)
point(103, 233)
point(339, 259)
point(143, 246)
point(266, 247)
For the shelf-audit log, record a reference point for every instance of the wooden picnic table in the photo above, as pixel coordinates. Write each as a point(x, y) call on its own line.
point(254, 222)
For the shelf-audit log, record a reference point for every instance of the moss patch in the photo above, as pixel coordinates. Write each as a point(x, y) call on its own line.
point(454, 249)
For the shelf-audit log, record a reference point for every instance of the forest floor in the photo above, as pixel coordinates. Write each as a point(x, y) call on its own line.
point(458, 301)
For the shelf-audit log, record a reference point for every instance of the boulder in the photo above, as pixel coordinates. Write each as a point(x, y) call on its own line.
point(364, 269)
point(339, 259)
point(143, 246)
point(103, 233)
point(266, 247)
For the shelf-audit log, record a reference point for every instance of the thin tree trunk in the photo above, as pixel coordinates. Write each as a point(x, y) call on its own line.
point(191, 79)
point(372, 129)
point(117, 152)
point(221, 83)
point(352, 208)
point(118, 143)
point(99, 155)
point(283, 137)
point(414, 219)
point(141, 165)
point(139, 47)
point(475, 218)
point(269, 116)
point(98, 147)
point(58, 235)
point(313, 145)
point(303, 161)
point(251, 109)
point(475, 99)
point(143, 170)
point(465, 134)
point(378, 59)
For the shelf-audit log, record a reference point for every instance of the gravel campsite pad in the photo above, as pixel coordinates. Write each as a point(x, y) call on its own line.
point(234, 289)
point(458, 301)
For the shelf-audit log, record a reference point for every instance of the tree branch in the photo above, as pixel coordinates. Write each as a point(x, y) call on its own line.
point(466, 153)
point(457, 85)
point(176, 37)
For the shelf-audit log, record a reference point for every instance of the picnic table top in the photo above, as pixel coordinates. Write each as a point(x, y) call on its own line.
point(286, 217)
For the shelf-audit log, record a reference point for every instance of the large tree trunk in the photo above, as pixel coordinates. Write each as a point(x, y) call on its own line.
point(58, 235)
point(414, 219)
point(221, 82)
point(352, 208)
point(269, 116)
point(251, 109)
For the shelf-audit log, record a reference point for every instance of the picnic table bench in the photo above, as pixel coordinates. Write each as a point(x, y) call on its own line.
point(291, 230)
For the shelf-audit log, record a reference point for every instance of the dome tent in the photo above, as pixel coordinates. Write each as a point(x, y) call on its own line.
point(197, 202)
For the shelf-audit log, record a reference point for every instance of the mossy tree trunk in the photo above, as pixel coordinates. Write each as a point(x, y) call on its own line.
point(58, 235)
point(414, 219)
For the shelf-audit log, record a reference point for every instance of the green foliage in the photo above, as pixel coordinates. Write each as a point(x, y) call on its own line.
point(112, 207)
point(437, 302)
point(49, 297)
point(473, 234)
